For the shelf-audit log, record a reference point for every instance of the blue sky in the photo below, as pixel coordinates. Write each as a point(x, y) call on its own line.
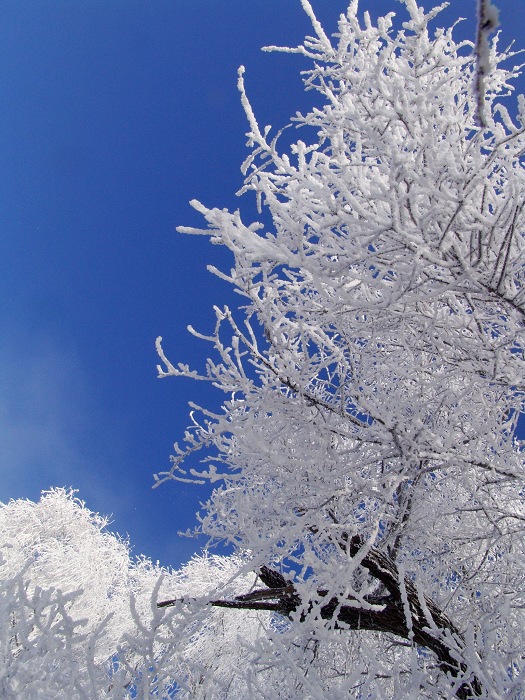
point(113, 116)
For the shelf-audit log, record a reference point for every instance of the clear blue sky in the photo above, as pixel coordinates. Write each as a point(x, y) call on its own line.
point(113, 114)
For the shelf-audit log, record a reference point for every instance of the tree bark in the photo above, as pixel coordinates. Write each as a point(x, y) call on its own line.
point(428, 627)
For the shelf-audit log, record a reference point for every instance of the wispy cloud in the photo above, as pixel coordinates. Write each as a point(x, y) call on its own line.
point(39, 412)
point(55, 432)
point(47, 414)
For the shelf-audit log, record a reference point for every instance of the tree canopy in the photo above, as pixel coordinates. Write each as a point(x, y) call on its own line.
point(376, 369)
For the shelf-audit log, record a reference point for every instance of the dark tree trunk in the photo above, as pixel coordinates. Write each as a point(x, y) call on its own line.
point(429, 626)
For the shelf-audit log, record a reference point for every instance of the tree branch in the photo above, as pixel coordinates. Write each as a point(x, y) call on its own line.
point(429, 626)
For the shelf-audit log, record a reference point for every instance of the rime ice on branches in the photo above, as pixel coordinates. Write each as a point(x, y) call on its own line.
point(374, 375)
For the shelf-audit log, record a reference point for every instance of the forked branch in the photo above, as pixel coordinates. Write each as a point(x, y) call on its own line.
point(428, 625)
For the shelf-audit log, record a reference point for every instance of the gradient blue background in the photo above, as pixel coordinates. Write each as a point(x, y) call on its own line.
point(113, 114)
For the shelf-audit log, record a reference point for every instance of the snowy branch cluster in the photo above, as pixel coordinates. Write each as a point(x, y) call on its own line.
point(79, 618)
point(365, 458)
point(376, 371)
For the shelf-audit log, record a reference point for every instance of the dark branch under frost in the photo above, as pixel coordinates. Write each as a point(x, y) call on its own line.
point(426, 625)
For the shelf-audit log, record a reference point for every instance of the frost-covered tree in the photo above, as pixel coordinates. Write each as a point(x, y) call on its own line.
point(79, 617)
point(365, 458)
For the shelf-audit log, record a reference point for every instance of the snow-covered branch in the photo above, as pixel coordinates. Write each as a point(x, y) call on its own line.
point(375, 373)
